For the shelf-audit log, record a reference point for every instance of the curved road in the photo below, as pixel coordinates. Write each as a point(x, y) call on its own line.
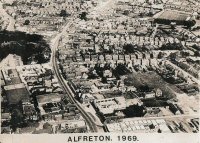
point(64, 84)
point(55, 42)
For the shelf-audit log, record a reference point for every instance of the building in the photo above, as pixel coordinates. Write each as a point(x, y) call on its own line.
point(110, 105)
point(149, 95)
point(72, 126)
point(11, 61)
point(139, 126)
point(29, 111)
point(49, 104)
point(11, 76)
point(5, 117)
point(86, 98)
point(174, 109)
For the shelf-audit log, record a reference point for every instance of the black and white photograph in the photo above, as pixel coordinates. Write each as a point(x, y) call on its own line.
point(100, 70)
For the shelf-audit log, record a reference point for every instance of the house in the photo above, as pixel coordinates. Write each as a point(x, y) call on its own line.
point(174, 109)
point(49, 104)
point(86, 98)
point(75, 126)
point(149, 95)
point(130, 88)
point(6, 130)
point(29, 111)
point(5, 117)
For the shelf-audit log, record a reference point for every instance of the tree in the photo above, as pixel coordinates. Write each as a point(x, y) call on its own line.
point(196, 53)
point(29, 46)
point(104, 79)
point(27, 22)
point(134, 111)
point(126, 12)
point(32, 124)
point(160, 55)
point(189, 24)
point(185, 54)
point(129, 48)
point(14, 3)
point(83, 16)
point(173, 56)
point(47, 126)
point(16, 118)
point(63, 13)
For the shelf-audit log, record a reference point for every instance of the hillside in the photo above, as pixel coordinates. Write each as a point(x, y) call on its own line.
point(31, 47)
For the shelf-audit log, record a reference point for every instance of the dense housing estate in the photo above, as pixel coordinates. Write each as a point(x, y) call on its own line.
point(114, 66)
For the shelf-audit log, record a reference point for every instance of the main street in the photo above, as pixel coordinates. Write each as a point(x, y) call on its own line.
point(63, 83)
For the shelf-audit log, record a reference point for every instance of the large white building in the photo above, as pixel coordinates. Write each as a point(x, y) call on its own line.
point(109, 105)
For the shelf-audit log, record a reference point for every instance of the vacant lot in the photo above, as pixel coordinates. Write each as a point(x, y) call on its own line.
point(174, 15)
point(153, 80)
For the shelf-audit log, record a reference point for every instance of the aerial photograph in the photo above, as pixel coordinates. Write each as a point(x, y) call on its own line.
point(96, 66)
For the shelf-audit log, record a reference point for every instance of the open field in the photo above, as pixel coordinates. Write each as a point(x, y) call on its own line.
point(173, 15)
point(153, 80)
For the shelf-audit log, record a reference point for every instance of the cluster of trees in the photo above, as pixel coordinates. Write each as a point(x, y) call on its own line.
point(172, 46)
point(83, 16)
point(120, 70)
point(188, 24)
point(64, 13)
point(129, 48)
point(134, 111)
point(29, 46)
point(197, 50)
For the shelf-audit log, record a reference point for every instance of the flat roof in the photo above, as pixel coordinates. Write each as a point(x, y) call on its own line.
point(15, 86)
point(107, 106)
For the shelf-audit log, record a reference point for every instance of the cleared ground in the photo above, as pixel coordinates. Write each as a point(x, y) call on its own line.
point(152, 79)
point(173, 15)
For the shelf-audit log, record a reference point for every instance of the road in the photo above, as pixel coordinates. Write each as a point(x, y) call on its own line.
point(166, 118)
point(55, 42)
point(172, 117)
point(186, 74)
point(63, 83)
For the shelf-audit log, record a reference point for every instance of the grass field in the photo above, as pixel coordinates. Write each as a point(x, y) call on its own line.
point(16, 95)
point(153, 80)
point(173, 15)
